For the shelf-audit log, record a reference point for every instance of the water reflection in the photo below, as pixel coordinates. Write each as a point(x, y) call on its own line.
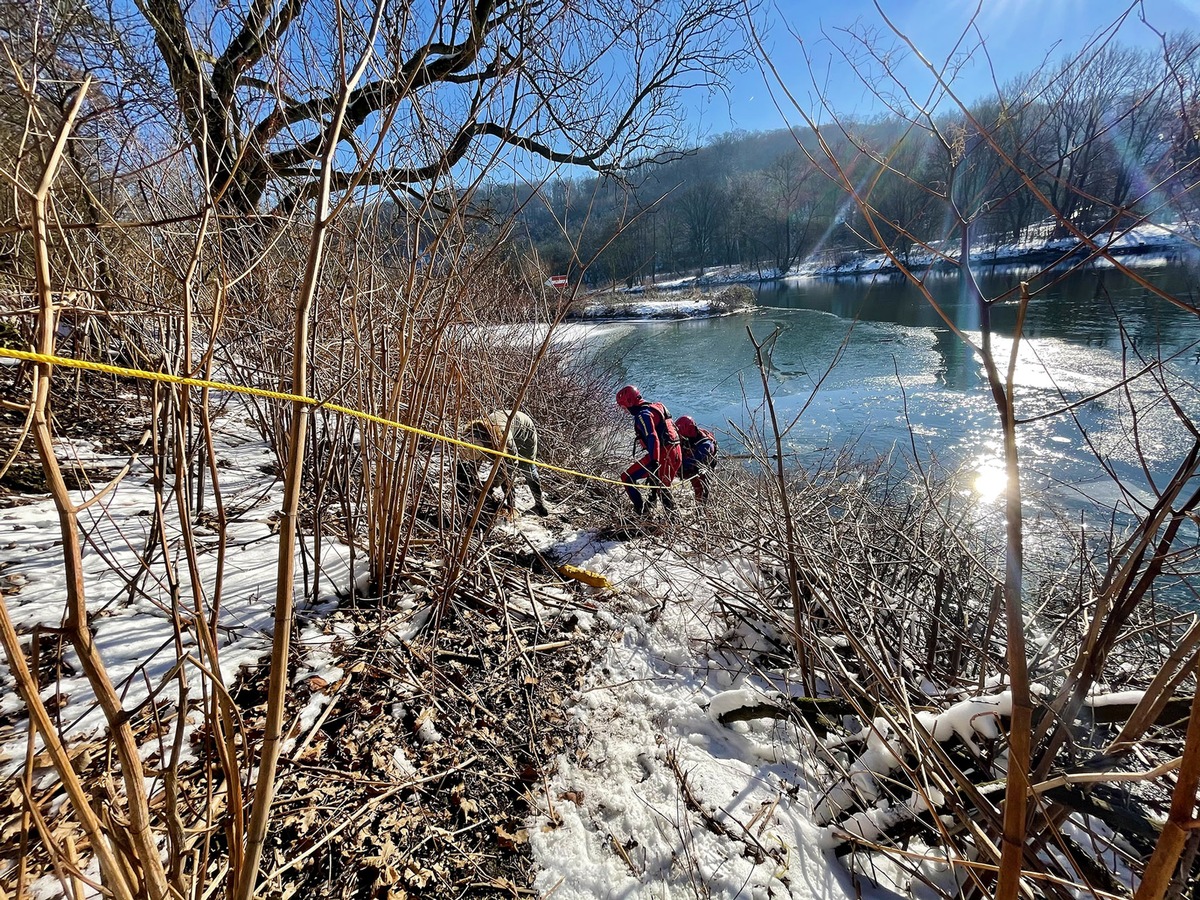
point(1101, 308)
point(990, 480)
point(958, 368)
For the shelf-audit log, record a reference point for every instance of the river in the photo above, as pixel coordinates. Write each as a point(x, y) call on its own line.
point(905, 380)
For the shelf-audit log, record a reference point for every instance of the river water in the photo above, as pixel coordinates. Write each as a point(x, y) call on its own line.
point(904, 379)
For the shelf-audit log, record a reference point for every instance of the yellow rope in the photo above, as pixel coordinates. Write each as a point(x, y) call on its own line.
point(168, 378)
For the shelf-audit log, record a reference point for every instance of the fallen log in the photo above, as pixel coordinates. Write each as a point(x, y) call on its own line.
point(1083, 789)
point(821, 712)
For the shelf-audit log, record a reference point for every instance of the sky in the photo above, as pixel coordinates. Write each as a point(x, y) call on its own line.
point(1019, 34)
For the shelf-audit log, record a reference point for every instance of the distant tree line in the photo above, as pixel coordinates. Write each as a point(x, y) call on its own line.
point(1111, 139)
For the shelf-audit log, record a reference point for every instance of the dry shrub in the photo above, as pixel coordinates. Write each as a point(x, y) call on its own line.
point(902, 615)
point(429, 340)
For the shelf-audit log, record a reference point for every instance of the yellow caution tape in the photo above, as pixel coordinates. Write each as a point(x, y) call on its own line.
point(167, 378)
point(595, 579)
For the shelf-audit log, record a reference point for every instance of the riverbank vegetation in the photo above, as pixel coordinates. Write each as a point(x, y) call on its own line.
point(981, 168)
point(254, 645)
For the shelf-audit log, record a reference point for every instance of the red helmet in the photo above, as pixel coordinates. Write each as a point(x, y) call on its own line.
point(687, 426)
point(629, 396)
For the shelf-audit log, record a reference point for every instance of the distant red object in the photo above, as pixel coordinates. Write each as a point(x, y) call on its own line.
point(557, 281)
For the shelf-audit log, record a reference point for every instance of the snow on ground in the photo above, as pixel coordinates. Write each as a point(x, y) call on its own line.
point(622, 824)
point(708, 305)
point(715, 275)
point(130, 603)
point(651, 309)
point(658, 798)
point(1143, 245)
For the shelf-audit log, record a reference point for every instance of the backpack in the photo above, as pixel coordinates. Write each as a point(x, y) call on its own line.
point(664, 425)
point(706, 435)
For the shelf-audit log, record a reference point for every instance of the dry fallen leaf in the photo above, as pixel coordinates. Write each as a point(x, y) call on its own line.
point(509, 840)
point(460, 800)
point(416, 874)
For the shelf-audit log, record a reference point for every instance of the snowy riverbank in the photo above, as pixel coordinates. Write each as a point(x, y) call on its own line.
point(683, 759)
point(675, 303)
point(1145, 245)
point(131, 609)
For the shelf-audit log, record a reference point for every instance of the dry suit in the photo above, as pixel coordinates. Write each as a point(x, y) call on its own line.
point(699, 459)
point(657, 435)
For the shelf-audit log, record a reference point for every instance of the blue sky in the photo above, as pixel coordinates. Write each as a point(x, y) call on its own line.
point(1019, 34)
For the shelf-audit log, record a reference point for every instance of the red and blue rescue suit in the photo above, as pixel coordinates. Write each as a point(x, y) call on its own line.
point(657, 435)
point(699, 458)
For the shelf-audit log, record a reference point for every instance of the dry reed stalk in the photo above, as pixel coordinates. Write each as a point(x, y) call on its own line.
point(876, 629)
point(1021, 723)
point(264, 790)
point(176, 840)
point(30, 753)
point(141, 839)
point(1166, 681)
point(1131, 573)
point(793, 570)
point(112, 872)
point(1181, 818)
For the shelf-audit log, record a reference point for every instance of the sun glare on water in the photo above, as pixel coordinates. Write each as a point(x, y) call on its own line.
point(990, 481)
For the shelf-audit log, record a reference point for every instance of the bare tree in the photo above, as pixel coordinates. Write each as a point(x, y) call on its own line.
point(794, 200)
point(593, 83)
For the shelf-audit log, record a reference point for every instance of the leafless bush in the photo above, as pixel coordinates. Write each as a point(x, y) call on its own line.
point(155, 273)
point(902, 624)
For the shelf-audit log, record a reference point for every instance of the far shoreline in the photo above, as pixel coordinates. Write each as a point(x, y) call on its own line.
point(1147, 246)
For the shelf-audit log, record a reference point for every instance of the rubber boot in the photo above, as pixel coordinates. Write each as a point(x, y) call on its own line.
point(639, 505)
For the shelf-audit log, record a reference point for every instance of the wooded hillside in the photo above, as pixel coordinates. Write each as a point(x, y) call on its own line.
point(1110, 139)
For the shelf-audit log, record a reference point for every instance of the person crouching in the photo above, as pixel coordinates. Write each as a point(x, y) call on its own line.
point(699, 447)
point(522, 441)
